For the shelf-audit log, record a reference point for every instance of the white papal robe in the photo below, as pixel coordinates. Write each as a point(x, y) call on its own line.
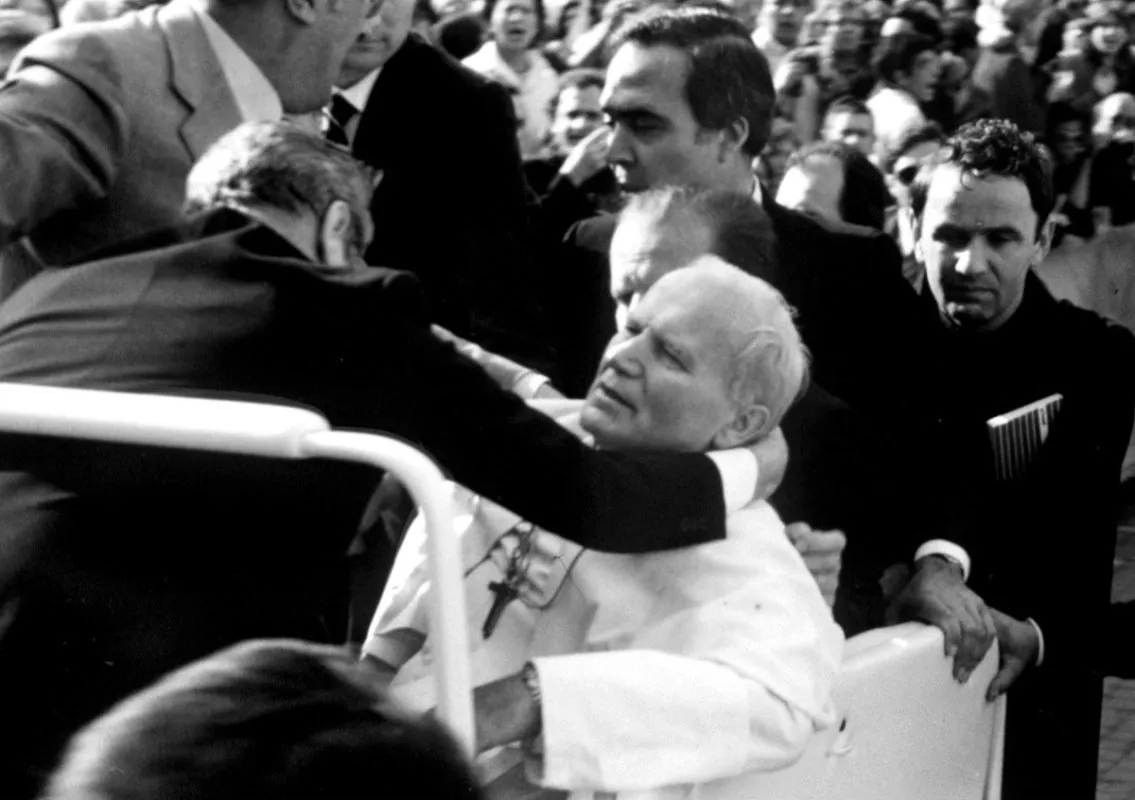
point(658, 672)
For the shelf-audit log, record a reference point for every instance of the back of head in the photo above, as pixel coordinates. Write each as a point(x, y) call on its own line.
point(279, 166)
point(993, 148)
point(264, 720)
point(865, 197)
point(460, 35)
point(728, 77)
point(737, 229)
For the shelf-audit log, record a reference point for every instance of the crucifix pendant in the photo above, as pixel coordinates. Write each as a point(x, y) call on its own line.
point(504, 593)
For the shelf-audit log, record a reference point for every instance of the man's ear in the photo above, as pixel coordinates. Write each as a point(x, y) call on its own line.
point(335, 235)
point(733, 138)
point(747, 424)
point(303, 11)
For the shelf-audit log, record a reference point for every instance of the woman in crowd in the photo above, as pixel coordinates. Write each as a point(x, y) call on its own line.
point(512, 56)
point(1104, 66)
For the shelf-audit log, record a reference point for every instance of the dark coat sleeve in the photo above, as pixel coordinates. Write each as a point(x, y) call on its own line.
point(492, 442)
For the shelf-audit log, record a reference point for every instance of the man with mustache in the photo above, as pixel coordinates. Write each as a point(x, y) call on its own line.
point(1041, 545)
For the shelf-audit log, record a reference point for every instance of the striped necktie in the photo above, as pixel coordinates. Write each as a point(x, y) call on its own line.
point(342, 112)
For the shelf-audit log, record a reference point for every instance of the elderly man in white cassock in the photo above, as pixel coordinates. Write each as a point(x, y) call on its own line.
point(641, 675)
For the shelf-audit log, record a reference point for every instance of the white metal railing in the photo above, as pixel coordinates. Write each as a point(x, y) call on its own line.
point(272, 431)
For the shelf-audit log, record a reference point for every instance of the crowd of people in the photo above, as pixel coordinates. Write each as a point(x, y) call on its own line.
point(706, 306)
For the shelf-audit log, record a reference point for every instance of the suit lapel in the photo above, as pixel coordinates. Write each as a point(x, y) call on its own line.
point(197, 77)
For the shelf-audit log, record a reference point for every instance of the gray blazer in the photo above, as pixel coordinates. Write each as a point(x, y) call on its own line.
point(99, 126)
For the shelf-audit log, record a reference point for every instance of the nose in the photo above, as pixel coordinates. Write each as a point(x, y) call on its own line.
point(373, 7)
point(619, 149)
point(973, 260)
point(625, 355)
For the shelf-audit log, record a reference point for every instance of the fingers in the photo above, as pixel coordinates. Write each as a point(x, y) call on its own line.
point(1011, 669)
point(797, 533)
point(977, 632)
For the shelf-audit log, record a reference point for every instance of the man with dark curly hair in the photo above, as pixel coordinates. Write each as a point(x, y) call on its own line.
point(1038, 546)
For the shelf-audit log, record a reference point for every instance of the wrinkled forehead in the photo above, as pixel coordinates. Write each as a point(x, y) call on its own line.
point(851, 121)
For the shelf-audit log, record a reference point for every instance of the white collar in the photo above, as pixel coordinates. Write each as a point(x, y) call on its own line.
point(255, 96)
point(358, 93)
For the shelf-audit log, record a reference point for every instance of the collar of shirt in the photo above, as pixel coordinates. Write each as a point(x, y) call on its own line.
point(358, 94)
point(255, 96)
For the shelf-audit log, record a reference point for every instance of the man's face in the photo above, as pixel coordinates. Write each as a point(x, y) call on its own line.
point(977, 239)
point(843, 30)
point(783, 19)
point(578, 113)
point(383, 34)
point(313, 65)
point(923, 75)
point(655, 139)
point(854, 130)
point(664, 380)
point(813, 188)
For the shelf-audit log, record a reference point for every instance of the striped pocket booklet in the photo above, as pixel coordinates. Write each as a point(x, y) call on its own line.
point(1017, 435)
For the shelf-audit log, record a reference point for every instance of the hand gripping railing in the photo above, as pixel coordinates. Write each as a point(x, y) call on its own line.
point(272, 431)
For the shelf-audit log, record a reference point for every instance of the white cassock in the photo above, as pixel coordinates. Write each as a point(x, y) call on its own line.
point(657, 672)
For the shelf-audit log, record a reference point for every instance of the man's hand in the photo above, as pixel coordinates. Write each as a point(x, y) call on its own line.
point(938, 595)
point(588, 157)
point(823, 553)
point(1020, 646)
point(771, 453)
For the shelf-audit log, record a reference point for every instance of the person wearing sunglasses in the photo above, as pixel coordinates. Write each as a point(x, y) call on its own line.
point(899, 169)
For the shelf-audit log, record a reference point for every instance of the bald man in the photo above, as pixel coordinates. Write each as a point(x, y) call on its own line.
point(651, 671)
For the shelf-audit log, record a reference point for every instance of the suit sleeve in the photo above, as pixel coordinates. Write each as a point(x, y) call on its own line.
point(492, 442)
point(63, 129)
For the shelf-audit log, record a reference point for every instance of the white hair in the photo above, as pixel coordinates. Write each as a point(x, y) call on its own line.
point(770, 365)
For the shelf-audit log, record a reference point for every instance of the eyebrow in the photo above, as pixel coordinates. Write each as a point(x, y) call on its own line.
point(1002, 230)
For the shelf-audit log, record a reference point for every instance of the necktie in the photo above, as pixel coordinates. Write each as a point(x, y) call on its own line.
point(342, 112)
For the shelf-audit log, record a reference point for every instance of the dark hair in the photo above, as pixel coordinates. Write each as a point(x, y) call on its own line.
point(264, 720)
point(847, 104)
point(579, 78)
point(959, 35)
point(898, 53)
point(537, 6)
point(993, 147)
point(865, 197)
point(927, 132)
point(282, 166)
point(729, 77)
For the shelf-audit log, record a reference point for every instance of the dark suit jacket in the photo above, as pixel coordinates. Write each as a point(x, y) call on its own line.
point(1042, 547)
point(125, 563)
point(452, 206)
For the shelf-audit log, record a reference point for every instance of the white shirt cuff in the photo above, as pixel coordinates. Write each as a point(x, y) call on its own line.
point(528, 383)
point(942, 547)
point(1040, 636)
point(739, 475)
